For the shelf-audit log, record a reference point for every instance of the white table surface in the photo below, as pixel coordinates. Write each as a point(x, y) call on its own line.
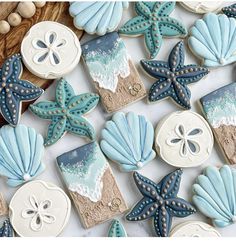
point(156, 169)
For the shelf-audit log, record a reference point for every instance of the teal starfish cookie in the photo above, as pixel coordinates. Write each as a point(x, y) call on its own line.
point(154, 23)
point(66, 113)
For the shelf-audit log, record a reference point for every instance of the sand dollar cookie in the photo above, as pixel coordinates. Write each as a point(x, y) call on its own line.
point(184, 139)
point(194, 229)
point(39, 209)
point(50, 50)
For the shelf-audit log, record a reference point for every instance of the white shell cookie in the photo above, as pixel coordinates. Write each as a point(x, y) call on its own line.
point(39, 209)
point(194, 229)
point(50, 50)
point(202, 7)
point(184, 139)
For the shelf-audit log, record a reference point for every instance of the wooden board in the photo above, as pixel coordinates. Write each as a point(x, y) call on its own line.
point(10, 43)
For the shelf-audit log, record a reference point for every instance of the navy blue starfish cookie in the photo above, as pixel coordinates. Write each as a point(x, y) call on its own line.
point(160, 202)
point(6, 230)
point(14, 90)
point(230, 11)
point(173, 77)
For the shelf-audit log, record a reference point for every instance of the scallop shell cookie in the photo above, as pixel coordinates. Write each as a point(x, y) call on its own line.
point(39, 209)
point(202, 7)
point(213, 40)
point(184, 139)
point(50, 50)
point(97, 17)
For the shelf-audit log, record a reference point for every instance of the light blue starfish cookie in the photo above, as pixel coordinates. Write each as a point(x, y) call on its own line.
point(14, 90)
point(117, 229)
point(154, 23)
point(66, 113)
point(173, 77)
point(160, 202)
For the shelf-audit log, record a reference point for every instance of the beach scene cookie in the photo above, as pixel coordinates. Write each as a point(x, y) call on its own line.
point(194, 229)
point(202, 7)
point(97, 17)
point(173, 77)
point(219, 108)
point(14, 90)
point(50, 50)
point(214, 194)
point(160, 202)
point(213, 40)
point(6, 229)
point(153, 21)
point(117, 229)
point(66, 113)
point(112, 71)
point(21, 151)
point(39, 209)
point(184, 139)
point(127, 140)
point(230, 11)
point(91, 184)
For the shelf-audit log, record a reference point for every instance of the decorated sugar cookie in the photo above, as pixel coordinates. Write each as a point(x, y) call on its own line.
point(215, 195)
point(153, 21)
point(91, 184)
point(3, 206)
point(50, 50)
point(194, 229)
point(112, 71)
point(230, 11)
point(202, 7)
point(39, 209)
point(127, 139)
point(6, 229)
point(14, 90)
point(219, 108)
point(117, 229)
point(173, 77)
point(21, 151)
point(212, 39)
point(160, 202)
point(97, 17)
point(66, 113)
point(184, 139)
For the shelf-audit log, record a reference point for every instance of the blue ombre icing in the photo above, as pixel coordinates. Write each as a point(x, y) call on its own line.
point(82, 170)
point(220, 106)
point(106, 58)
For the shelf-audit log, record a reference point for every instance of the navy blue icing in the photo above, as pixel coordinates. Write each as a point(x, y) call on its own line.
point(6, 230)
point(230, 11)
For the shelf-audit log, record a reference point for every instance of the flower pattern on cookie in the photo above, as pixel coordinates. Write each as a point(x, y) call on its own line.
point(66, 113)
point(14, 90)
point(160, 202)
point(39, 213)
point(48, 48)
point(173, 77)
point(154, 23)
point(185, 140)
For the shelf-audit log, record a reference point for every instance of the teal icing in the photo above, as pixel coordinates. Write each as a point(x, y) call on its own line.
point(215, 195)
point(117, 229)
point(82, 169)
point(97, 17)
point(220, 106)
point(106, 58)
point(213, 39)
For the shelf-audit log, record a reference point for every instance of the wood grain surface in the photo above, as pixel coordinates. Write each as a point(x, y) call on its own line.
point(10, 43)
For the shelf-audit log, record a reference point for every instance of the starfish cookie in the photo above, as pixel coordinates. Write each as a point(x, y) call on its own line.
point(173, 77)
point(14, 90)
point(66, 113)
point(160, 202)
point(154, 23)
point(230, 11)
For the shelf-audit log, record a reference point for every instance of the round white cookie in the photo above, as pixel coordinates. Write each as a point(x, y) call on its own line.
point(194, 229)
point(202, 7)
point(184, 139)
point(39, 209)
point(50, 50)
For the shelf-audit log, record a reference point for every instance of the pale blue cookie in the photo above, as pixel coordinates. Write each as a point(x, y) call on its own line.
point(117, 229)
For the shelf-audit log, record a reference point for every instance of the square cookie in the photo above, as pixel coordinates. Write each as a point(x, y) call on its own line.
point(3, 206)
point(219, 108)
point(113, 72)
point(91, 184)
